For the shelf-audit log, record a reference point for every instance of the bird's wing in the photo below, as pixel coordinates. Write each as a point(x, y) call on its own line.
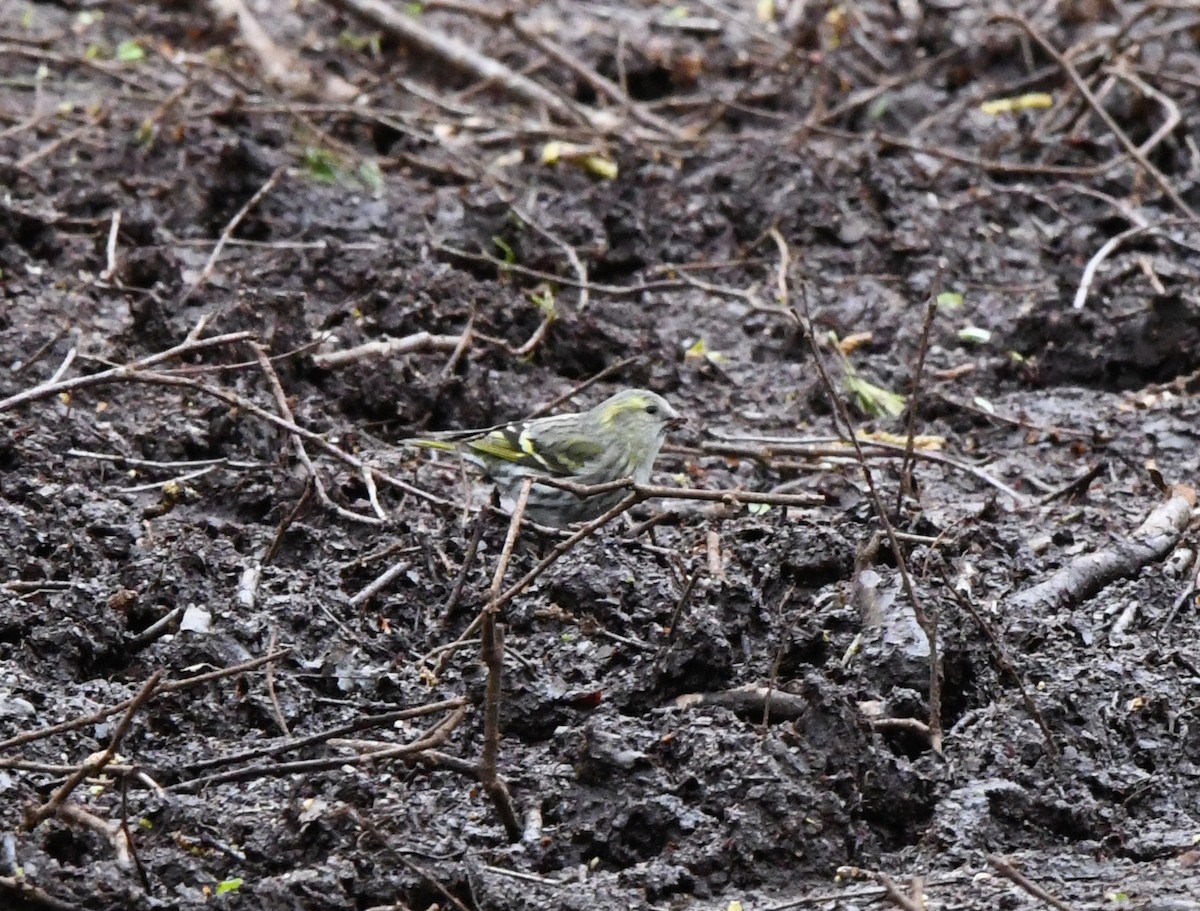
point(531, 446)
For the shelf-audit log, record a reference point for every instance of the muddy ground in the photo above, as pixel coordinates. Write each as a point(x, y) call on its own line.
point(751, 162)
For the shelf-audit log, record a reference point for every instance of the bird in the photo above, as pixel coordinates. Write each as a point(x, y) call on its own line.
point(618, 438)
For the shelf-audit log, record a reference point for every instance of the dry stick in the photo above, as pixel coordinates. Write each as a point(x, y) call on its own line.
point(467, 563)
point(914, 398)
point(275, 707)
point(601, 84)
point(1006, 663)
point(890, 889)
point(418, 342)
point(360, 724)
point(245, 404)
point(282, 67)
point(110, 249)
point(281, 403)
point(492, 653)
point(123, 372)
point(404, 861)
point(576, 263)
point(116, 834)
point(607, 290)
point(637, 494)
point(1136, 153)
point(1107, 248)
point(405, 751)
point(32, 896)
point(172, 687)
point(462, 57)
point(1009, 872)
point(1090, 572)
point(871, 449)
point(227, 232)
point(92, 766)
point(927, 623)
point(580, 387)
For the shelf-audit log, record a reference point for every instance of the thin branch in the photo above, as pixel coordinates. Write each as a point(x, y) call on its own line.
point(97, 763)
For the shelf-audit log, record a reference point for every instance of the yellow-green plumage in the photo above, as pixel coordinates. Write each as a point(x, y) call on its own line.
point(619, 438)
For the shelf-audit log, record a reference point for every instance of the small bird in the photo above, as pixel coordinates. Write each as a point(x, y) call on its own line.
point(619, 438)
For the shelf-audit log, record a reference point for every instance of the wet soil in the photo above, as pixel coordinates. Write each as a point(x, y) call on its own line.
point(730, 705)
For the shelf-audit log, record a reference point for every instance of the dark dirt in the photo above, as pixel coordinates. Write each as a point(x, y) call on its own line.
point(854, 133)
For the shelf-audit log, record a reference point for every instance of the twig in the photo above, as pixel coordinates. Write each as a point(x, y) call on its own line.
point(27, 893)
point(1090, 572)
point(110, 249)
point(1011, 873)
point(405, 862)
point(275, 707)
point(1006, 663)
point(914, 398)
point(604, 374)
point(871, 449)
point(418, 342)
point(462, 57)
point(281, 66)
point(227, 232)
point(364, 723)
point(468, 561)
point(1122, 137)
point(117, 835)
point(492, 652)
point(890, 889)
point(379, 583)
point(285, 410)
point(95, 764)
point(601, 84)
point(123, 372)
point(174, 686)
point(926, 621)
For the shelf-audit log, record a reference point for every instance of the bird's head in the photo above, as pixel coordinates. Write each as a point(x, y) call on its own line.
point(639, 412)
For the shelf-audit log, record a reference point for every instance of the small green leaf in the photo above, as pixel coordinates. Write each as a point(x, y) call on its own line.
point(415, 9)
point(950, 300)
point(984, 405)
point(758, 509)
point(129, 51)
point(871, 399)
point(321, 164)
point(229, 885)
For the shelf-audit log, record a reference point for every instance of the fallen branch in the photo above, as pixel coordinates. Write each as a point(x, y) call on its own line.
point(462, 57)
point(97, 763)
point(172, 687)
point(758, 700)
point(492, 654)
point(125, 372)
point(1011, 873)
point(410, 344)
point(281, 67)
point(281, 402)
point(1088, 573)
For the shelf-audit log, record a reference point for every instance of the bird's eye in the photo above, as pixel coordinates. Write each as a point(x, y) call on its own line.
point(652, 409)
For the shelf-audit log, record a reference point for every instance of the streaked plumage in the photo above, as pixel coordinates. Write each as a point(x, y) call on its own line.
point(619, 438)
